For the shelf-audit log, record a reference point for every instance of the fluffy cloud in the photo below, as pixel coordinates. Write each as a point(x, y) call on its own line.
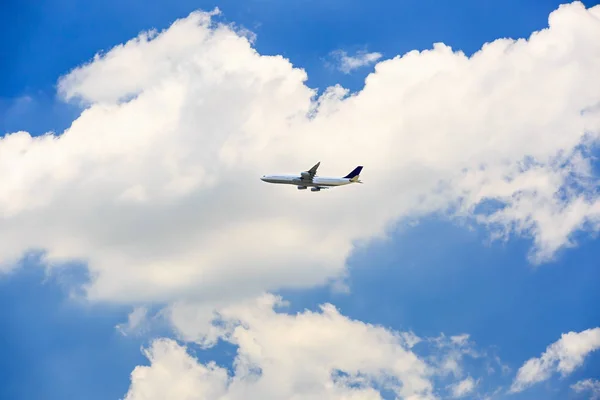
point(347, 63)
point(155, 186)
point(310, 355)
point(564, 356)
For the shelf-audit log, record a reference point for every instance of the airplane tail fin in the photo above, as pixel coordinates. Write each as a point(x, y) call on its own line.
point(355, 174)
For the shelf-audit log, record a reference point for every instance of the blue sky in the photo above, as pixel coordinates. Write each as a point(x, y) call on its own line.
point(435, 277)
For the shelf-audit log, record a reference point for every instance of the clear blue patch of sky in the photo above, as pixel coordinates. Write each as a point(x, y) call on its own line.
point(223, 353)
point(44, 39)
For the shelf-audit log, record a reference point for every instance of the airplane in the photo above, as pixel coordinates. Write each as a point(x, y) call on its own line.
point(310, 179)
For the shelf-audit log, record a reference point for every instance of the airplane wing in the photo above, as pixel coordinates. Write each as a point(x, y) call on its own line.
point(310, 174)
point(313, 170)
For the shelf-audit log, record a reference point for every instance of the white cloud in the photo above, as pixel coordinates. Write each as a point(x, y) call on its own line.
point(588, 385)
point(347, 63)
point(451, 352)
point(155, 186)
point(310, 355)
point(174, 374)
point(564, 356)
point(464, 387)
point(135, 321)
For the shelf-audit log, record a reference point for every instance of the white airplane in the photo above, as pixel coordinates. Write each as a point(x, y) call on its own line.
point(310, 178)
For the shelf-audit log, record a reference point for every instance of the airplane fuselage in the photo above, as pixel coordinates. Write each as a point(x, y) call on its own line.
point(316, 183)
point(298, 181)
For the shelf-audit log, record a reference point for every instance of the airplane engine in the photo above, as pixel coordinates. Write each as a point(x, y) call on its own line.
point(301, 187)
point(315, 189)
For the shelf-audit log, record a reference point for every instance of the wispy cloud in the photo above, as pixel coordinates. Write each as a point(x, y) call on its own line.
point(563, 356)
point(590, 386)
point(135, 321)
point(347, 64)
point(463, 388)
